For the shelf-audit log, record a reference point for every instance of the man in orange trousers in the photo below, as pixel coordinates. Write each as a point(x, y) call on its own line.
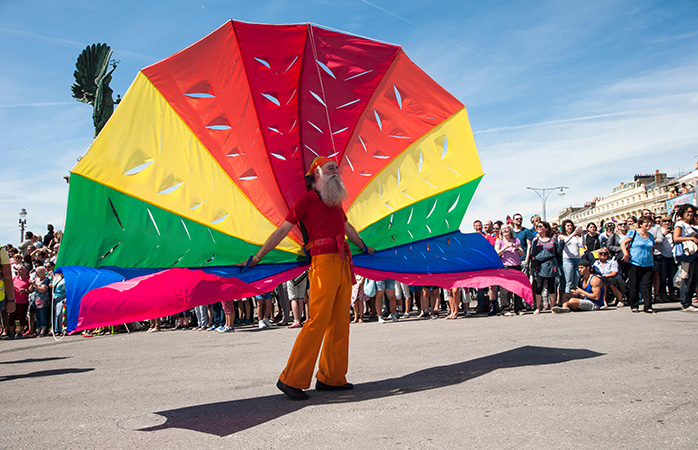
point(319, 213)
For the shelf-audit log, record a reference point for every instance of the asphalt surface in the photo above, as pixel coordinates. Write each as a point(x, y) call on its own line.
point(604, 379)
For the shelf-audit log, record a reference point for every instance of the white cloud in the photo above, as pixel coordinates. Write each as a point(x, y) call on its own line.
point(654, 128)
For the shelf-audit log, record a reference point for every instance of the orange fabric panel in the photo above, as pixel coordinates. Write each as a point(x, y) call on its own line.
point(207, 86)
point(406, 105)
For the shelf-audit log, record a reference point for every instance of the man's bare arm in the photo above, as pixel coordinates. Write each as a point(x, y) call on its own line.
point(272, 241)
point(354, 237)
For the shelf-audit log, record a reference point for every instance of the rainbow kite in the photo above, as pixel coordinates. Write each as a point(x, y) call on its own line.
point(206, 153)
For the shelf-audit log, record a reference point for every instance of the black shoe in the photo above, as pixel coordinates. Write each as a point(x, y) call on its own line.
point(291, 392)
point(320, 386)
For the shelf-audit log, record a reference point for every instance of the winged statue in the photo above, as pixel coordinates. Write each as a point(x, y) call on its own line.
point(92, 77)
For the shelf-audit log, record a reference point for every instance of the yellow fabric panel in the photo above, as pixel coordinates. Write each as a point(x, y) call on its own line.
point(177, 173)
point(439, 172)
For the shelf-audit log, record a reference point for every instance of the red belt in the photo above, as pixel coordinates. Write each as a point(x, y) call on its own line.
point(342, 249)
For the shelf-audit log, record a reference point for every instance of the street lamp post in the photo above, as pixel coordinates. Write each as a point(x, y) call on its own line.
point(543, 193)
point(22, 223)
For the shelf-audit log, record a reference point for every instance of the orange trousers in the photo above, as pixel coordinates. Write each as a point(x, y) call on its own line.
point(328, 326)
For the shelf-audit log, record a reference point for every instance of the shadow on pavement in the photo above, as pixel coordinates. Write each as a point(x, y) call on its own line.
point(43, 373)
point(33, 360)
point(226, 418)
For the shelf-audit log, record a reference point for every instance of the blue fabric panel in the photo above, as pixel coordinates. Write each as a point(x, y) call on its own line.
point(450, 253)
point(78, 281)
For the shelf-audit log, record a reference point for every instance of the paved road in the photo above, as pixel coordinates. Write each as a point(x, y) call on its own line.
point(607, 379)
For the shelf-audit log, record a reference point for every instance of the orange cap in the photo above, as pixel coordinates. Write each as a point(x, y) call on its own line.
point(317, 162)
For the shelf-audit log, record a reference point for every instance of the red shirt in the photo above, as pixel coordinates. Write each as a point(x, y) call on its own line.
point(21, 283)
point(319, 220)
point(490, 238)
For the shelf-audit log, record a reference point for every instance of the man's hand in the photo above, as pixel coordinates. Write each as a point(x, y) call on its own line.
point(251, 259)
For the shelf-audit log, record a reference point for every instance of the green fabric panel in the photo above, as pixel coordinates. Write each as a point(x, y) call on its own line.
point(93, 231)
point(394, 230)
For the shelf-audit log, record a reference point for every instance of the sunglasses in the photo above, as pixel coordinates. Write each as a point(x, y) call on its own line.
point(603, 253)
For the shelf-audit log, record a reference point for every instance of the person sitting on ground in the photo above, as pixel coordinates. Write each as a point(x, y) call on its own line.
point(610, 276)
point(589, 296)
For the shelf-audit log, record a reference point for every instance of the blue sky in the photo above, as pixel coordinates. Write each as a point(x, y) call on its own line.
point(583, 94)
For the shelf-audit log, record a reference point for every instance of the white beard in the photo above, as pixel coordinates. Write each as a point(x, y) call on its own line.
point(332, 191)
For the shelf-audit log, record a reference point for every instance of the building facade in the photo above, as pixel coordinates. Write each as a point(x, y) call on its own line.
point(628, 199)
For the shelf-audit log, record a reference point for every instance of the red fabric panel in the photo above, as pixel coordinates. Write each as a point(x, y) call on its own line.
point(357, 66)
point(166, 293)
point(273, 58)
point(403, 118)
point(214, 66)
point(511, 280)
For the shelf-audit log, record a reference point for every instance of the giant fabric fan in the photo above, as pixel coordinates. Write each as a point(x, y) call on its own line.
point(206, 153)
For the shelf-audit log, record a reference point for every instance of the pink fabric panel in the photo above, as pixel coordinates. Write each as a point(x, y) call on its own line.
point(511, 280)
point(165, 293)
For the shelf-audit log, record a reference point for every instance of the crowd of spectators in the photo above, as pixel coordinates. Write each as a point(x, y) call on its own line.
point(29, 269)
point(630, 262)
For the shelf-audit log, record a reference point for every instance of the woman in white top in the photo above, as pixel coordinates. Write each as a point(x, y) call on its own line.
point(665, 243)
point(685, 231)
point(572, 240)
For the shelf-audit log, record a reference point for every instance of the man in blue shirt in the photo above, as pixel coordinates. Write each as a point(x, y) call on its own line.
point(524, 235)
